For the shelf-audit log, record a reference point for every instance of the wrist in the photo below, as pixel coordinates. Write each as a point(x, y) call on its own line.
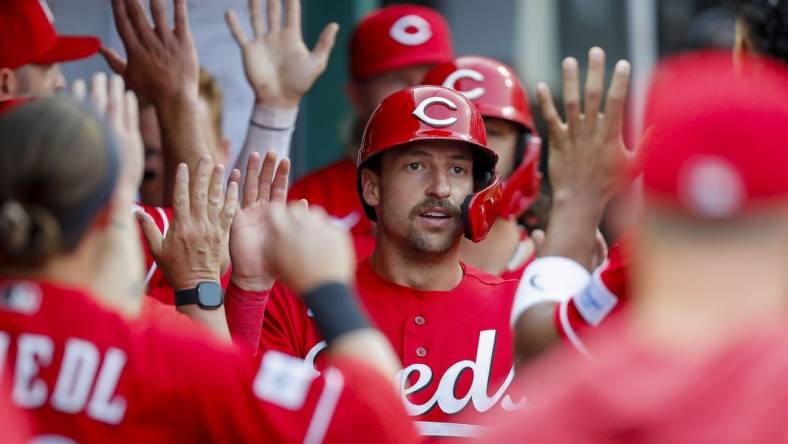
point(252, 285)
point(587, 205)
point(278, 101)
point(176, 102)
point(191, 281)
point(304, 286)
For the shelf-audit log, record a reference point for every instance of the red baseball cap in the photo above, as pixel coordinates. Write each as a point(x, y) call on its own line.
point(27, 35)
point(715, 144)
point(398, 36)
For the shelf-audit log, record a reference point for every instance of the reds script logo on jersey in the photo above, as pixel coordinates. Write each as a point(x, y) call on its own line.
point(455, 346)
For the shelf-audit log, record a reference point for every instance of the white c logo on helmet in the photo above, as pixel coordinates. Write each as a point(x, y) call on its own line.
point(421, 113)
point(465, 73)
point(399, 30)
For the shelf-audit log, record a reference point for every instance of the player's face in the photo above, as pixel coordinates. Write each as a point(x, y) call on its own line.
point(367, 95)
point(39, 80)
point(502, 137)
point(421, 189)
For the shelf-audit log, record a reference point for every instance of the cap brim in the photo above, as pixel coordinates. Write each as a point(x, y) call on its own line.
point(69, 48)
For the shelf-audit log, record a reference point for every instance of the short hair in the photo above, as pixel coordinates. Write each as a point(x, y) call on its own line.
point(766, 22)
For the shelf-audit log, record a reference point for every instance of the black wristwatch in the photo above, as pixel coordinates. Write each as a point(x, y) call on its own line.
point(208, 295)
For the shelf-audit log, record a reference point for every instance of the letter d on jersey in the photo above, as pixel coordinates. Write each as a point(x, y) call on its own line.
point(421, 112)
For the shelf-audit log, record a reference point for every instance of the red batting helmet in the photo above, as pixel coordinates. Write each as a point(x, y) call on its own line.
point(436, 113)
point(398, 36)
point(497, 92)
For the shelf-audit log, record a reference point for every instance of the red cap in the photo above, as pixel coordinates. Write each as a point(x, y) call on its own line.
point(715, 141)
point(27, 35)
point(398, 36)
point(491, 85)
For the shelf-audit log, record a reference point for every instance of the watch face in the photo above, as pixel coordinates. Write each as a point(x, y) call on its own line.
point(209, 295)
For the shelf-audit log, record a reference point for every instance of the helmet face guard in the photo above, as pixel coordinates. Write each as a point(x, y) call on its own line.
point(480, 210)
point(522, 187)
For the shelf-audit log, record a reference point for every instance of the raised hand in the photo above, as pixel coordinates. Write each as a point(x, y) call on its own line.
point(278, 65)
point(306, 249)
point(264, 187)
point(587, 153)
point(162, 61)
point(197, 241)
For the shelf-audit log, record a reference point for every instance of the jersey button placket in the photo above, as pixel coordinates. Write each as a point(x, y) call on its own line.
point(421, 352)
point(419, 320)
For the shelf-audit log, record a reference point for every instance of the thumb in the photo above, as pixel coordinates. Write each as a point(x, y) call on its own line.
point(115, 62)
point(151, 233)
point(326, 42)
point(538, 237)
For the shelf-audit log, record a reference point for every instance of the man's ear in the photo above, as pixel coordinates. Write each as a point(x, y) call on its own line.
point(370, 187)
point(9, 84)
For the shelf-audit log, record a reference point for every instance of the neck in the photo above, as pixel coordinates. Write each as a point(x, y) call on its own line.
point(691, 297)
point(494, 253)
point(425, 272)
point(66, 271)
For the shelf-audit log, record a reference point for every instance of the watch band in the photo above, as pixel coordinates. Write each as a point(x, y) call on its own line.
point(187, 296)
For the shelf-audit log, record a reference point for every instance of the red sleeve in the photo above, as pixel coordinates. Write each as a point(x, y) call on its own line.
point(283, 323)
point(244, 311)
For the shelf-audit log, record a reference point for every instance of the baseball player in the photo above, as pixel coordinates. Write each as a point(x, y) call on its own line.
point(700, 355)
point(427, 177)
point(392, 48)
point(501, 99)
point(31, 50)
point(114, 380)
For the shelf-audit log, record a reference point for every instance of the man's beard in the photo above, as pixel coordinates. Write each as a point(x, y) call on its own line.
point(417, 241)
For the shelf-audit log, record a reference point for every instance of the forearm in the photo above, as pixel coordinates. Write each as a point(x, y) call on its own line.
point(120, 272)
point(182, 137)
point(571, 233)
point(270, 129)
point(244, 311)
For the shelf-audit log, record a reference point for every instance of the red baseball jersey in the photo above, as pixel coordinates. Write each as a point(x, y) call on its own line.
point(455, 346)
point(334, 189)
point(83, 373)
point(523, 256)
point(605, 295)
point(632, 393)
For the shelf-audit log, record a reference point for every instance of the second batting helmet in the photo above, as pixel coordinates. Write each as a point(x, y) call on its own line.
point(436, 113)
point(496, 92)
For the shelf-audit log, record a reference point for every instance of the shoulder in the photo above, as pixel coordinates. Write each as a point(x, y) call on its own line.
point(342, 167)
point(478, 277)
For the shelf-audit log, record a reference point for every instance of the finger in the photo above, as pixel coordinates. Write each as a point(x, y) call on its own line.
point(115, 106)
point(79, 90)
point(571, 93)
point(151, 233)
point(538, 237)
point(123, 24)
point(180, 199)
point(325, 43)
point(293, 15)
point(616, 100)
point(595, 82)
point(115, 62)
point(215, 193)
point(181, 18)
point(256, 11)
point(132, 112)
point(252, 176)
point(276, 216)
point(235, 28)
point(266, 176)
point(140, 23)
point(274, 15)
point(549, 112)
point(98, 92)
point(199, 187)
point(235, 176)
point(230, 206)
point(159, 13)
point(279, 186)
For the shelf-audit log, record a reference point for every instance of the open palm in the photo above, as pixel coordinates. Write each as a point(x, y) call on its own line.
point(262, 188)
point(278, 65)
